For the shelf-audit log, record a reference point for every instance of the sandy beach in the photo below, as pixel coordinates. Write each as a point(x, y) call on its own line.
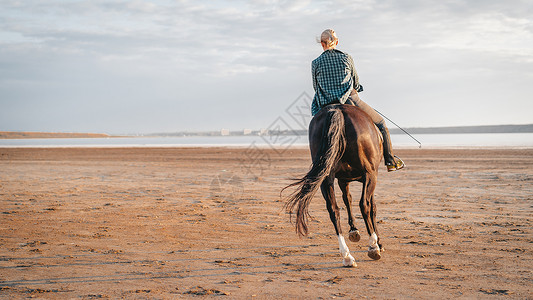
point(160, 223)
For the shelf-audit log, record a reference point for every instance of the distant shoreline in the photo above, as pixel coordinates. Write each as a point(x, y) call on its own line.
point(49, 135)
point(527, 128)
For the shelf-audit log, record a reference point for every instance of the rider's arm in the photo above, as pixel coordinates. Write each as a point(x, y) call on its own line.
point(355, 78)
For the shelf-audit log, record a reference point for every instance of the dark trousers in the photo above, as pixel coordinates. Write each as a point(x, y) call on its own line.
point(380, 124)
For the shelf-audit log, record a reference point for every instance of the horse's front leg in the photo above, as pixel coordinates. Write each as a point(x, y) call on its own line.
point(368, 210)
point(331, 205)
point(347, 197)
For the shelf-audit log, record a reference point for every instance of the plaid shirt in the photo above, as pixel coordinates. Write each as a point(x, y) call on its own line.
point(334, 76)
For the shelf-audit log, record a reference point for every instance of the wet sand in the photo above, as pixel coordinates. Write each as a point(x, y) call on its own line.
point(183, 223)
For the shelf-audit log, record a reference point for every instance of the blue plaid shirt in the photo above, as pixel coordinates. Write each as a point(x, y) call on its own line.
point(334, 76)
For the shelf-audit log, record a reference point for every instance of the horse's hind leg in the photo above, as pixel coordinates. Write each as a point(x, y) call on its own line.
point(368, 210)
point(347, 197)
point(331, 205)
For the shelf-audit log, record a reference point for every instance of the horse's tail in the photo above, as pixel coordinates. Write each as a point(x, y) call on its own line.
point(331, 150)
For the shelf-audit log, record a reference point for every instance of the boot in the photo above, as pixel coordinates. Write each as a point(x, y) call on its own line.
point(392, 162)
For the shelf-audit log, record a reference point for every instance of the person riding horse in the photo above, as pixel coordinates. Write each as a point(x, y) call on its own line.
point(336, 81)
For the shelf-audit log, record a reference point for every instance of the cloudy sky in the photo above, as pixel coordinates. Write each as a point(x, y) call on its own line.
point(162, 66)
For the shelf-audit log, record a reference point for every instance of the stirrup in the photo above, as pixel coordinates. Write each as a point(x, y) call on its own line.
point(399, 164)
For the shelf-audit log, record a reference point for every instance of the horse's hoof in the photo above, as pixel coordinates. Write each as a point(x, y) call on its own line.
point(349, 262)
point(354, 236)
point(374, 253)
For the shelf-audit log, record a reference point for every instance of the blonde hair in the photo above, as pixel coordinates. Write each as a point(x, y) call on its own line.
point(328, 37)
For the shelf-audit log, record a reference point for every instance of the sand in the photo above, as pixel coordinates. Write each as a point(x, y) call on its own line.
point(163, 223)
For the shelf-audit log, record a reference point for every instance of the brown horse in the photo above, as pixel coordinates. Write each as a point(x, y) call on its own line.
point(346, 145)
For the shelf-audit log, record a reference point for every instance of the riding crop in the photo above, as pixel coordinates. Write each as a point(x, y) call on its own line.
point(420, 144)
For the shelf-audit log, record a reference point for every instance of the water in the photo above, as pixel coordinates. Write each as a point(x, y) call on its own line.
point(497, 140)
point(467, 140)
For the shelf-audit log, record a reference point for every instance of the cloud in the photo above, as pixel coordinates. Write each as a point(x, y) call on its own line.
point(157, 57)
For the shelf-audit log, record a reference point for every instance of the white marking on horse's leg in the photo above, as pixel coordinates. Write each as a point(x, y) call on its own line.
point(347, 258)
point(373, 248)
point(373, 243)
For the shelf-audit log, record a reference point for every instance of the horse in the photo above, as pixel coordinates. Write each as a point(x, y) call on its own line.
point(344, 144)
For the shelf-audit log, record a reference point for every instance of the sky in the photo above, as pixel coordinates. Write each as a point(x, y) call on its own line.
point(166, 66)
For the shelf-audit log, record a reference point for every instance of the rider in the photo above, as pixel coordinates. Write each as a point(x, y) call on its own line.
point(336, 81)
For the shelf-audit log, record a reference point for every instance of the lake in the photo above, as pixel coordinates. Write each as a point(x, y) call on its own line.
point(504, 140)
